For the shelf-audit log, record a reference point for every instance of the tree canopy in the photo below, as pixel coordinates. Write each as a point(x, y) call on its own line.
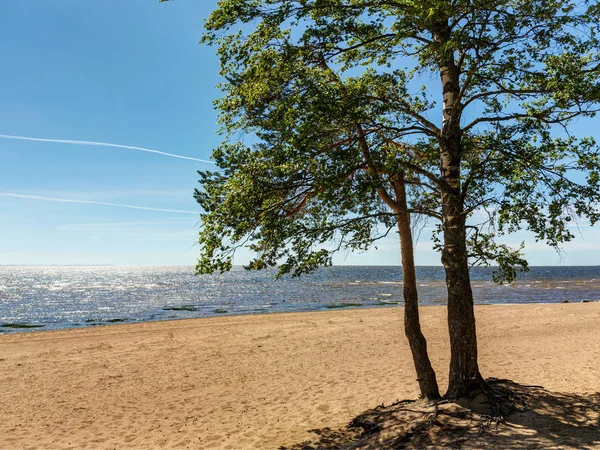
point(327, 102)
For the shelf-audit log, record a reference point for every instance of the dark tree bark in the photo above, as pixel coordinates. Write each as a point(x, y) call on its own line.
point(464, 373)
point(412, 326)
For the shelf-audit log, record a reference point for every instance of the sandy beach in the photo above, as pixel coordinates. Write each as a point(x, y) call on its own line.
point(262, 381)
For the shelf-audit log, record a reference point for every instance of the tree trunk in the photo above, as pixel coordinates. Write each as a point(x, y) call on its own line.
point(464, 372)
point(412, 327)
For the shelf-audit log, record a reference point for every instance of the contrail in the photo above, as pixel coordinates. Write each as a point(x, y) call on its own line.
point(102, 144)
point(69, 200)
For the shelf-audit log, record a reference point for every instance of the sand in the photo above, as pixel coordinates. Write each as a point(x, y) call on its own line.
point(262, 381)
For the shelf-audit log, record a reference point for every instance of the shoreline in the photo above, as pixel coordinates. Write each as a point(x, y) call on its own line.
point(260, 381)
point(9, 331)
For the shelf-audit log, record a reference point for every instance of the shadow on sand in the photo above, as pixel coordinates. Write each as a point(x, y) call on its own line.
point(534, 418)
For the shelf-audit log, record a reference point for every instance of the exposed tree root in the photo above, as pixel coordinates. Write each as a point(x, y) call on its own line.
point(506, 415)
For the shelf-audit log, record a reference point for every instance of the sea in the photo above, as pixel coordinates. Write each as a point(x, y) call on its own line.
point(59, 297)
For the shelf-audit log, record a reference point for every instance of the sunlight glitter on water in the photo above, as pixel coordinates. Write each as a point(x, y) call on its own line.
point(63, 297)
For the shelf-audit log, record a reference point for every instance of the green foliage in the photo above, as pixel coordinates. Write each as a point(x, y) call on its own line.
point(324, 110)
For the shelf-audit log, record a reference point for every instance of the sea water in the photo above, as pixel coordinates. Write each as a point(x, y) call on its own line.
point(42, 298)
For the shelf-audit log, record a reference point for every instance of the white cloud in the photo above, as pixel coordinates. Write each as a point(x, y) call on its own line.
point(71, 200)
point(102, 144)
point(99, 227)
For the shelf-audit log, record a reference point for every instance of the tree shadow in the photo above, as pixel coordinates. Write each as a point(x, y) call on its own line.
point(533, 418)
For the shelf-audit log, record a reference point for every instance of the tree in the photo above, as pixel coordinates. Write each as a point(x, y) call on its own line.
point(268, 196)
point(329, 95)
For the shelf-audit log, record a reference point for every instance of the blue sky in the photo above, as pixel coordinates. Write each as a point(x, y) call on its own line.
point(128, 73)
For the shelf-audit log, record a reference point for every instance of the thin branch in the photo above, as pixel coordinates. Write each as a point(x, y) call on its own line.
point(414, 167)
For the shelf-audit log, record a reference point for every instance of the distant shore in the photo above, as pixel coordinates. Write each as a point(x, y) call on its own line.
point(262, 381)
